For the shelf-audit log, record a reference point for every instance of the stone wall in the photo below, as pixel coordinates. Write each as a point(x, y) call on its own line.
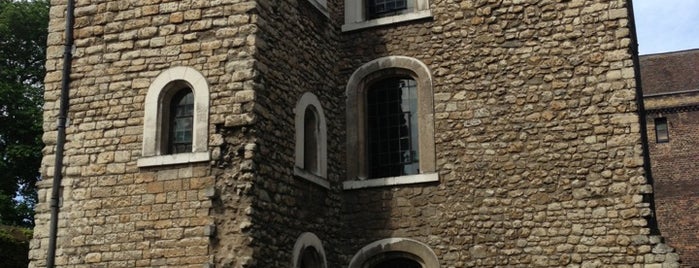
point(538, 140)
point(536, 132)
point(297, 52)
point(114, 213)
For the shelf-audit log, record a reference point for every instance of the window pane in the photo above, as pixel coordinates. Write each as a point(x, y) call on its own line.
point(181, 122)
point(381, 8)
point(398, 263)
point(310, 141)
point(392, 128)
point(662, 134)
point(310, 259)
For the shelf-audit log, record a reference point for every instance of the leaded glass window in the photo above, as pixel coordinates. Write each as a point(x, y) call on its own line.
point(181, 122)
point(381, 8)
point(310, 143)
point(392, 128)
point(398, 263)
point(310, 259)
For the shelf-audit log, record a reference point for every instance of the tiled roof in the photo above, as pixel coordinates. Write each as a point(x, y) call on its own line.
point(670, 72)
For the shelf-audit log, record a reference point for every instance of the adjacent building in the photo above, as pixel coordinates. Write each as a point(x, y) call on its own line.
point(671, 93)
point(372, 133)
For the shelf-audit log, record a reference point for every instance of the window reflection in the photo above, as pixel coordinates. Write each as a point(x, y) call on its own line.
point(181, 122)
point(392, 128)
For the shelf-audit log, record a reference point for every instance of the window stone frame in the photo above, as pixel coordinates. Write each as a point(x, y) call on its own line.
point(420, 250)
point(306, 240)
point(156, 114)
point(306, 100)
point(321, 5)
point(357, 151)
point(356, 15)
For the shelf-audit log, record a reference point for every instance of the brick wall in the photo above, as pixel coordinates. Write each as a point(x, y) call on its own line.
point(675, 166)
point(670, 81)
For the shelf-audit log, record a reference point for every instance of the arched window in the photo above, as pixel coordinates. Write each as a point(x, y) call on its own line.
point(308, 252)
point(390, 124)
point(311, 140)
point(392, 261)
point(176, 119)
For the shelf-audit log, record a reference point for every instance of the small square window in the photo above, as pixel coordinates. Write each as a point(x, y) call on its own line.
point(662, 133)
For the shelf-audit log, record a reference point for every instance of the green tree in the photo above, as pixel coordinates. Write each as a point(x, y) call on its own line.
point(23, 33)
point(14, 246)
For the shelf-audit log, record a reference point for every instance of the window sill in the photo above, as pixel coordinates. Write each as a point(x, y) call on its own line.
point(173, 159)
point(387, 20)
point(300, 173)
point(390, 181)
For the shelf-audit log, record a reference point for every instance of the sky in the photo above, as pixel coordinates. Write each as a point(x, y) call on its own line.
point(666, 25)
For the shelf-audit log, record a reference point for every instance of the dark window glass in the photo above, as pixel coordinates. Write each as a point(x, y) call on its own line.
point(662, 134)
point(310, 258)
point(181, 122)
point(310, 140)
point(381, 8)
point(392, 128)
point(398, 263)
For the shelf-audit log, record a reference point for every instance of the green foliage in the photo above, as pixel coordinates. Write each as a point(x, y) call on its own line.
point(23, 34)
point(14, 246)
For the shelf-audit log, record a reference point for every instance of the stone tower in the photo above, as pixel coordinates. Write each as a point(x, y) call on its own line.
point(363, 133)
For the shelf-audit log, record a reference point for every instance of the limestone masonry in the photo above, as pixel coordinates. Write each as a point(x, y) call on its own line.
point(524, 134)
